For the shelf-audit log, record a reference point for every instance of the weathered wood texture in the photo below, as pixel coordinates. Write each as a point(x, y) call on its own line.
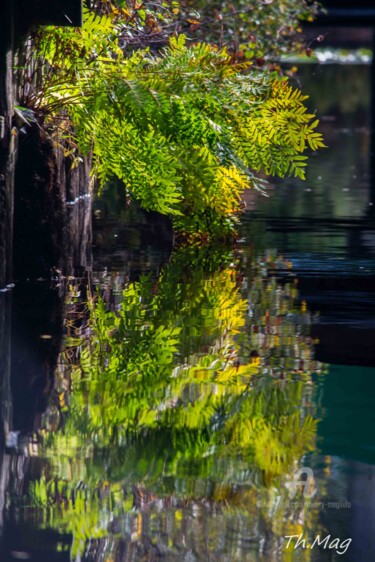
point(7, 141)
point(52, 209)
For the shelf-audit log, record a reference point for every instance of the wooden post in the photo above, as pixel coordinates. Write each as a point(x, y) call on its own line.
point(7, 141)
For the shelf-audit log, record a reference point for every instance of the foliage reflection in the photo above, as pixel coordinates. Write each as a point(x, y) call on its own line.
point(185, 404)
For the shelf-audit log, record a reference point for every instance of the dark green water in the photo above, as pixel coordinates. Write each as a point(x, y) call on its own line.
point(178, 420)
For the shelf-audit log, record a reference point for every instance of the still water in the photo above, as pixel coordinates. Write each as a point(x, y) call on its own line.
point(207, 402)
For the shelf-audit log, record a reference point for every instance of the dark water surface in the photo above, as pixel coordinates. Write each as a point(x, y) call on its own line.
point(180, 424)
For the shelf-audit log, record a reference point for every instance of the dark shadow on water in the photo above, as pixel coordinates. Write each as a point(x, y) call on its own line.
point(37, 332)
point(21, 541)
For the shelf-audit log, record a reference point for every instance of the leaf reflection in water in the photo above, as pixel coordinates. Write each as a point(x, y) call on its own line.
point(186, 407)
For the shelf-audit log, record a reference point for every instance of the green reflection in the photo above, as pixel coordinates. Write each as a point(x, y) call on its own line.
point(348, 426)
point(184, 412)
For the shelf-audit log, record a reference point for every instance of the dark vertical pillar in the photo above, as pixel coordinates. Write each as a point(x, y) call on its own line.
point(6, 225)
point(5, 397)
point(7, 140)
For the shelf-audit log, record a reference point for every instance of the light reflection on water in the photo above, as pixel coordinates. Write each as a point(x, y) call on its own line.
point(177, 423)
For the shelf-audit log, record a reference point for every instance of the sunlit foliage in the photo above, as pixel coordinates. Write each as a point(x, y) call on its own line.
point(186, 129)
